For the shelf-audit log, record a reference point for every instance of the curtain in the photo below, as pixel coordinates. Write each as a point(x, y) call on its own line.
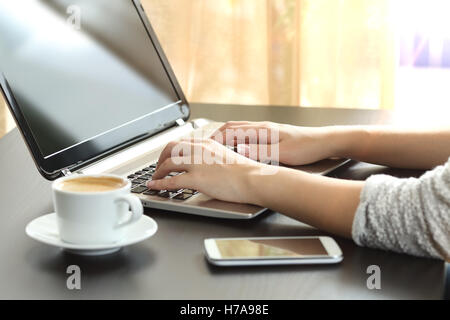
point(318, 53)
point(6, 121)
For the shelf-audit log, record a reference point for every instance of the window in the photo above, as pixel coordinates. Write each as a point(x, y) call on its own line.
point(423, 73)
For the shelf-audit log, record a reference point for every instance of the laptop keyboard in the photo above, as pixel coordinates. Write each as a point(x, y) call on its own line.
point(139, 179)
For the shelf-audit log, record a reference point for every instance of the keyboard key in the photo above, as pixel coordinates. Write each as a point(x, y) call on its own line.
point(139, 189)
point(189, 191)
point(168, 194)
point(131, 176)
point(139, 180)
point(182, 196)
point(146, 176)
point(151, 192)
point(140, 173)
point(164, 194)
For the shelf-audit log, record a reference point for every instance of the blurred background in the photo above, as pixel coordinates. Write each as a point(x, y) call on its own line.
point(371, 54)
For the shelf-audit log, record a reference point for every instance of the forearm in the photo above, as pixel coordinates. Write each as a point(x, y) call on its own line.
point(325, 203)
point(402, 148)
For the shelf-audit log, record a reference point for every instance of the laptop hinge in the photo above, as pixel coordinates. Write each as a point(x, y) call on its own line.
point(66, 172)
point(180, 122)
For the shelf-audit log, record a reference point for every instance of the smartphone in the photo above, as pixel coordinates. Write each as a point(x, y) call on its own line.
point(272, 251)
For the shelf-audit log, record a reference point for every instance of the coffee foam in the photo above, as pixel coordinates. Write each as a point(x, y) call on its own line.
point(92, 184)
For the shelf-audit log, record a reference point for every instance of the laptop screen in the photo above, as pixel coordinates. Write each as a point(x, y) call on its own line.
point(80, 69)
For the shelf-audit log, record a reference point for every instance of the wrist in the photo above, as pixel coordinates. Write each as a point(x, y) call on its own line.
point(255, 186)
point(344, 141)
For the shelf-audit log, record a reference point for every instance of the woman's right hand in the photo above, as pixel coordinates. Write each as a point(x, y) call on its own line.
point(295, 145)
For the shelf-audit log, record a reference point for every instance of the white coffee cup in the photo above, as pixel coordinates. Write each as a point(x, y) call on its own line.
point(94, 215)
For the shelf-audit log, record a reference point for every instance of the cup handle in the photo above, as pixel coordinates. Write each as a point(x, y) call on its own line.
point(135, 206)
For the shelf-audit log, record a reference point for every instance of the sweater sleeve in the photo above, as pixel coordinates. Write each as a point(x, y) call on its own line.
point(406, 215)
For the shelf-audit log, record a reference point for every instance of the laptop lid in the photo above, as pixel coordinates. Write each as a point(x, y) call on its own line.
point(84, 79)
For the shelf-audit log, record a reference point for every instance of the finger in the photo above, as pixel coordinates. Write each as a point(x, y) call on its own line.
point(219, 131)
point(246, 134)
point(182, 181)
point(206, 151)
point(259, 152)
point(195, 140)
point(175, 149)
point(176, 164)
point(241, 125)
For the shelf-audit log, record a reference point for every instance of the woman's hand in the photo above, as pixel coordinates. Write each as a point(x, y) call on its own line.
point(220, 173)
point(208, 167)
point(295, 145)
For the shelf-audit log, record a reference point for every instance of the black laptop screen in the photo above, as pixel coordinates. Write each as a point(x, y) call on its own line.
point(80, 69)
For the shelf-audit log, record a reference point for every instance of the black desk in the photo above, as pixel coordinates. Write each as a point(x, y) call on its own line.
point(171, 265)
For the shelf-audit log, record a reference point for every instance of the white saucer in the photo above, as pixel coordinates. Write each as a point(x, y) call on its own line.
point(44, 229)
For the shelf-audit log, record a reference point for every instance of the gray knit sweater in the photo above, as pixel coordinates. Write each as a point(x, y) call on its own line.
point(406, 215)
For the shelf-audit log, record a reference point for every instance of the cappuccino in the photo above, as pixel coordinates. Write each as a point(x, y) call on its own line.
point(92, 184)
point(94, 209)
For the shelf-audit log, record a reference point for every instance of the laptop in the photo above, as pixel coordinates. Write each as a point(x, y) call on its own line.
point(92, 92)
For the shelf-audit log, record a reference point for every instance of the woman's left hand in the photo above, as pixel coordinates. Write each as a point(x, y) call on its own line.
point(208, 167)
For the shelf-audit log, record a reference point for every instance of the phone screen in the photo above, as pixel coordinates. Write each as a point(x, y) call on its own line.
point(270, 248)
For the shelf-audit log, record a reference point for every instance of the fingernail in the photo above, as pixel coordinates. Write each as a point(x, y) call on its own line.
point(243, 149)
point(150, 184)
